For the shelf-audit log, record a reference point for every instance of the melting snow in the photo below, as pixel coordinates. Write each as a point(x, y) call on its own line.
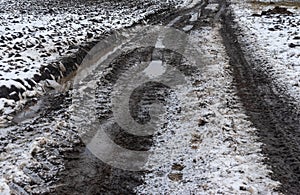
point(34, 35)
point(273, 38)
point(210, 147)
point(188, 27)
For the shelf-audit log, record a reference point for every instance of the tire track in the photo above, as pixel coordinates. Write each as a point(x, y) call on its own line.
point(275, 115)
point(98, 177)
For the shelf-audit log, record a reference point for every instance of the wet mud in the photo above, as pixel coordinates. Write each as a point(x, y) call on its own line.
point(96, 177)
point(63, 164)
point(272, 112)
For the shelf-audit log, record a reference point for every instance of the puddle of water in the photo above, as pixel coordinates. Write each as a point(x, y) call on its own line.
point(155, 69)
point(188, 27)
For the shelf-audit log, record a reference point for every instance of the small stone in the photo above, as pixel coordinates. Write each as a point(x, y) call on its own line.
point(256, 15)
point(253, 190)
point(42, 141)
point(271, 29)
point(292, 45)
point(194, 147)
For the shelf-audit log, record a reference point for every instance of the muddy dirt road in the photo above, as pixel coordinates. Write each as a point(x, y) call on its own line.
point(60, 162)
point(275, 115)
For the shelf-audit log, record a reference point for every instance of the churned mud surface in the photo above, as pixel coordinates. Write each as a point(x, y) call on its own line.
point(43, 43)
point(228, 128)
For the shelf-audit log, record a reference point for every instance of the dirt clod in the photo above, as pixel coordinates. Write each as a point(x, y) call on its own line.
point(177, 167)
point(175, 176)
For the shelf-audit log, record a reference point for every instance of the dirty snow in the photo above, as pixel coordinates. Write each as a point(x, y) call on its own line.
point(275, 40)
point(36, 34)
point(210, 147)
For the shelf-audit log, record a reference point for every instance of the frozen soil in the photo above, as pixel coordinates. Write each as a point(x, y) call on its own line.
point(205, 143)
point(229, 130)
point(265, 80)
point(273, 39)
point(32, 152)
point(210, 147)
point(42, 43)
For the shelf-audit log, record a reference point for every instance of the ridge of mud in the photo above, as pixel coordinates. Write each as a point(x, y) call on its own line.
point(68, 65)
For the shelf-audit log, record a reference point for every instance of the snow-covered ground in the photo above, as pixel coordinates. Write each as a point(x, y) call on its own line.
point(274, 39)
point(36, 34)
point(211, 147)
point(4, 188)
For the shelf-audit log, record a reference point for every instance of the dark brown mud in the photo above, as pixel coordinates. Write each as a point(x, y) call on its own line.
point(272, 112)
point(61, 164)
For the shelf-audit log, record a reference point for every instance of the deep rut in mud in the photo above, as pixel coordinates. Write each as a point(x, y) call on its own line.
point(274, 114)
point(97, 177)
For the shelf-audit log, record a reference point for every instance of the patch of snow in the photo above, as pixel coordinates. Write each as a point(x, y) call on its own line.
point(159, 43)
point(194, 17)
point(4, 188)
point(273, 38)
point(174, 21)
point(213, 7)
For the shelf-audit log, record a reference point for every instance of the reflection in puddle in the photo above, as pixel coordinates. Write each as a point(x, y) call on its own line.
point(155, 69)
